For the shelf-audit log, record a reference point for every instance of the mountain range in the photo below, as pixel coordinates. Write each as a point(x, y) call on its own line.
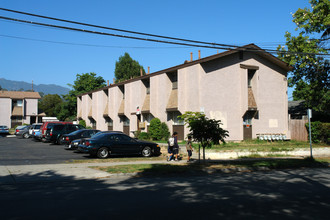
point(12, 85)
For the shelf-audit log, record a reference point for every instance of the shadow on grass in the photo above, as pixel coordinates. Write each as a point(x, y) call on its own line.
point(224, 166)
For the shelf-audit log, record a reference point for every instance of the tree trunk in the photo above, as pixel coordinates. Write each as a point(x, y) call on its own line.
point(199, 153)
point(204, 154)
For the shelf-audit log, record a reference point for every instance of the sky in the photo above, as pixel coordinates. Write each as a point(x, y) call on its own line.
point(51, 56)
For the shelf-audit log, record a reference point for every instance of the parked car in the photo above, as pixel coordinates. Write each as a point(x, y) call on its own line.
point(113, 143)
point(46, 126)
point(79, 134)
point(22, 131)
point(37, 136)
point(4, 130)
point(35, 127)
point(55, 134)
point(77, 142)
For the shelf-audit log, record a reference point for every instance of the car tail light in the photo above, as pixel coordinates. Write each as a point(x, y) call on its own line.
point(17, 130)
point(51, 133)
point(87, 143)
point(67, 139)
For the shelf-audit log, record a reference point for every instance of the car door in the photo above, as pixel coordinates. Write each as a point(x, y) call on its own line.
point(115, 144)
point(129, 145)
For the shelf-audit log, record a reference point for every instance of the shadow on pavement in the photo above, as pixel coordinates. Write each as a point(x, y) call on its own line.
point(286, 194)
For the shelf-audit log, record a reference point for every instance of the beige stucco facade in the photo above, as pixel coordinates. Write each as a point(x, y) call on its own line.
point(17, 108)
point(246, 90)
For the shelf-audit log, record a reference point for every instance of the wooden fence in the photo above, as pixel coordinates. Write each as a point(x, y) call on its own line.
point(298, 129)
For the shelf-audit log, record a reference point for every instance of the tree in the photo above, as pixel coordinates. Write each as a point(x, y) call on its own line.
point(84, 83)
point(203, 130)
point(155, 129)
point(311, 71)
point(50, 104)
point(127, 68)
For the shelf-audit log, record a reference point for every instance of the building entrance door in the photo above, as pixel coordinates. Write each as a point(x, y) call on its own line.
point(247, 125)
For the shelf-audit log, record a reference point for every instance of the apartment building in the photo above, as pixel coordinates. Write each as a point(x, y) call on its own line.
point(17, 108)
point(245, 88)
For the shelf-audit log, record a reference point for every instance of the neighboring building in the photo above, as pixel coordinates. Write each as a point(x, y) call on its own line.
point(245, 88)
point(17, 108)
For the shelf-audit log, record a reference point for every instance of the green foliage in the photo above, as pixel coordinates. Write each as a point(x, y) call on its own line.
point(320, 132)
point(84, 83)
point(144, 136)
point(204, 130)
point(311, 72)
point(155, 129)
point(50, 104)
point(83, 123)
point(164, 131)
point(127, 68)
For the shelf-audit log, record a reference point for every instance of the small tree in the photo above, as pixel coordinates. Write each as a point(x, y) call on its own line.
point(155, 129)
point(164, 131)
point(203, 130)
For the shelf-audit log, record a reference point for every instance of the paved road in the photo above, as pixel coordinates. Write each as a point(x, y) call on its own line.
point(17, 151)
point(289, 194)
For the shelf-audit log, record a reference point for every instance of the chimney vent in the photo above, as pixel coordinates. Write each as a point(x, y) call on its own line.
point(199, 54)
point(148, 69)
point(191, 56)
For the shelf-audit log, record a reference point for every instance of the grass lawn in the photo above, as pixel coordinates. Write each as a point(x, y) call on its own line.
point(214, 167)
point(264, 146)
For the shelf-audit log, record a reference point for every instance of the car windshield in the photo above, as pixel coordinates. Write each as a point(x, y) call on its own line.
point(37, 126)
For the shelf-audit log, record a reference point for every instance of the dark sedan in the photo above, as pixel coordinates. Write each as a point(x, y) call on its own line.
point(114, 143)
point(79, 134)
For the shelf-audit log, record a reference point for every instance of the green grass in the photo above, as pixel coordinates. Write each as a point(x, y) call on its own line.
point(264, 146)
point(214, 167)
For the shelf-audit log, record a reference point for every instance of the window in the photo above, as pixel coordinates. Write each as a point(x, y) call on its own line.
point(18, 102)
point(250, 77)
point(174, 117)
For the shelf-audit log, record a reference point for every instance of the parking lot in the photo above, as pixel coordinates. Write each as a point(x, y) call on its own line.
point(17, 151)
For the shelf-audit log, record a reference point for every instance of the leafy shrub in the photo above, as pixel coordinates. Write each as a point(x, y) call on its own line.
point(144, 136)
point(320, 132)
point(155, 129)
point(164, 131)
point(83, 123)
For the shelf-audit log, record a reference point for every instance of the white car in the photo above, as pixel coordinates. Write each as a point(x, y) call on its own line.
point(35, 127)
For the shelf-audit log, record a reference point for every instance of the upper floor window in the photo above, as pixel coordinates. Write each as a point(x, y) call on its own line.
point(18, 102)
point(173, 76)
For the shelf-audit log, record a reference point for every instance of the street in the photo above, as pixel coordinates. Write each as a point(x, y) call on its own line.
point(287, 194)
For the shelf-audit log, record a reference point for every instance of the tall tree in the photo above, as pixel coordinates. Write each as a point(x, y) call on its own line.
point(84, 83)
point(310, 75)
point(203, 130)
point(50, 104)
point(127, 68)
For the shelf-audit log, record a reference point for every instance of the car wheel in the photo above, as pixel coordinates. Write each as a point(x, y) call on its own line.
point(103, 152)
point(146, 152)
point(26, 135)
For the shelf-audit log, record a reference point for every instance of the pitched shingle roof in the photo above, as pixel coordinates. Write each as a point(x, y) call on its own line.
point(19, 95)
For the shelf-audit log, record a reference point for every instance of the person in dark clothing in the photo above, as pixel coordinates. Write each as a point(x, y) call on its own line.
point(176, 146)
point(173, 147)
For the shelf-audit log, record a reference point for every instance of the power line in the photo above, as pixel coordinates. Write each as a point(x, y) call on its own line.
point(109, 34)
point(229, 47)
point(88, 45)
point(246, 48)
point(116, 29)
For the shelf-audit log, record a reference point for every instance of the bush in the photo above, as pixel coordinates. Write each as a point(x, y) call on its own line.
point(144, 136)
point(320, 132)
point(155, 129)
point(165, 132)
point(83, 123)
